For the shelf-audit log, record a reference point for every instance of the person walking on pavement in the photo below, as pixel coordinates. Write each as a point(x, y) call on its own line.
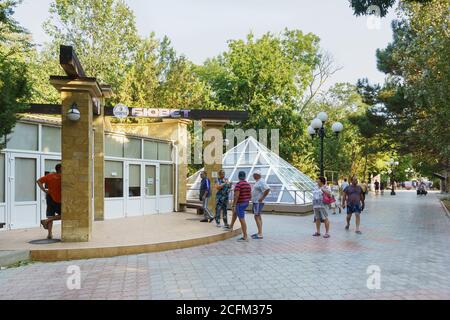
point(51, 186)
point(205, 194)
point(223, 187)
point(377, 187)
point(336, 192)
point(320, 213)
point(241, 200)
point(354, 201)
point(259, 193)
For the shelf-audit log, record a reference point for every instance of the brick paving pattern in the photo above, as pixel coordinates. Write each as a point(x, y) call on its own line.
point(406, 236)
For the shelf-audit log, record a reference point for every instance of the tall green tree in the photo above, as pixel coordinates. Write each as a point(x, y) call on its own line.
point(103, 33)
point(267, 77)
point(411, 108)
point(14, 87)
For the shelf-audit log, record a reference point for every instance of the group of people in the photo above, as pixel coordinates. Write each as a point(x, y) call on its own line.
point(348, 196)
point(243, 194)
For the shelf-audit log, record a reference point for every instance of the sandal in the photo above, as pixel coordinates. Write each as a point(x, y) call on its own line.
point(358, 232)
point(326, 236)
point(242, 240)
point(316, 234)
point(257, 237)
point(44, 224)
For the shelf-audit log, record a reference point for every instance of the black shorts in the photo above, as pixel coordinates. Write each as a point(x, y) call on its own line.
point(53, 208)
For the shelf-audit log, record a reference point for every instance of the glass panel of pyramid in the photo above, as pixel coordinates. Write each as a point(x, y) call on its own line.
point(288, 185)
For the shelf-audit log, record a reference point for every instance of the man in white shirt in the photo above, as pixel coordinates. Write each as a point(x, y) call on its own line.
point(259, 194)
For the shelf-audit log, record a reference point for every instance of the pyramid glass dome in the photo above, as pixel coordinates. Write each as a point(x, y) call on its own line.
point(288, 185)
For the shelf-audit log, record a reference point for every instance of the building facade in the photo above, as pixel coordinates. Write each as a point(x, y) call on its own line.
point(140, 173)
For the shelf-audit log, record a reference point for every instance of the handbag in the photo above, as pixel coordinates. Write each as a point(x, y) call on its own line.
point(328, 199)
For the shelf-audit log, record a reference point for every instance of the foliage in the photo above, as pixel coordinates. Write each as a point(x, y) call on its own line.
point(411, 108)
point(14, 87)
point(266, 77)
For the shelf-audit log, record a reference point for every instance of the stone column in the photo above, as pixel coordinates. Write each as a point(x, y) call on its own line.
point(77, 157)
point(213, 153)
point(99, 165)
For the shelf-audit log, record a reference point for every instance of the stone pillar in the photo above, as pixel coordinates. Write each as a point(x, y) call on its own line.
point(77, 157)
point(213, 153)
point(99, 164)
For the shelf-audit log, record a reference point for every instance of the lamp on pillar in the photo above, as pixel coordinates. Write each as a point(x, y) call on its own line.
point(317, 128)
point(74, 113)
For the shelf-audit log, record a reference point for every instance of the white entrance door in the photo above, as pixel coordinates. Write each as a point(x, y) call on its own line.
point(24, 201)
point(134, 189)
point(151, 183)
point(48, 164)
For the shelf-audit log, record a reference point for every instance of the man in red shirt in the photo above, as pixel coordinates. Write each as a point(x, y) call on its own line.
point(51, 186)
point(242, 196)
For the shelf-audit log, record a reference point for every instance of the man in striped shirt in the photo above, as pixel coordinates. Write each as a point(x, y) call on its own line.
point(242, 196)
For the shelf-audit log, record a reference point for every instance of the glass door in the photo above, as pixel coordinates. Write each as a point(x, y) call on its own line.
point(48, 164)
point(134, 199)
point(24, 205)
point(151, 182)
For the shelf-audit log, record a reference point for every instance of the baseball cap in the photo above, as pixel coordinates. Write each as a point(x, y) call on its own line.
point(242, 174)
point(258, 172)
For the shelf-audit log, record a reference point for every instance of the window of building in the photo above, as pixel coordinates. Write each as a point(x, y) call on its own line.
point(150, 150)
point(133, 148)
point(150, 180)
point(25, 179)
point(164, 152)
point(51, 139)
point(24, 137)
point(50, 166)
point(2, 177)
point(134, 180)
point(166, 179)
point(114, 146)
point(113, 179)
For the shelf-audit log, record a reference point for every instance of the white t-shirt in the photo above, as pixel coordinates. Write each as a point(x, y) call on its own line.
point(258, 190)
point(344, 185)
point(318, 197)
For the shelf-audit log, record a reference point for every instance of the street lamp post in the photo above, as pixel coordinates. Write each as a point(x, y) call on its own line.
point(317, 128)
point(392, 164)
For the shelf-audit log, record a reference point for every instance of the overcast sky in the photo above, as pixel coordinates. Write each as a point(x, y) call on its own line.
point(200, 28)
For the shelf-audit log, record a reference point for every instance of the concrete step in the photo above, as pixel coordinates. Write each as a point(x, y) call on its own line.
point(8, 258)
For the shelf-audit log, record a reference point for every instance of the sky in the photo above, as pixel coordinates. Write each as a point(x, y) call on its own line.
point(200, 29)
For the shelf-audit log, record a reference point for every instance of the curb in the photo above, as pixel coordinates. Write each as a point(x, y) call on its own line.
point(8, 258)
point(447, 213)
point(109, 252)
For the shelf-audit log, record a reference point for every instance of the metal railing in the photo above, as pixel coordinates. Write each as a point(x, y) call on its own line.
point(299, 196)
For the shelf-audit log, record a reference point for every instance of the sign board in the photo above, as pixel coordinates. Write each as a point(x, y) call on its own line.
point(121, 111)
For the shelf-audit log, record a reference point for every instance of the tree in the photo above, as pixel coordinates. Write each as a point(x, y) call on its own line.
point(411, 108)
point(266, 77)
point(366, 7)
point(14, 86)
point(103, 33)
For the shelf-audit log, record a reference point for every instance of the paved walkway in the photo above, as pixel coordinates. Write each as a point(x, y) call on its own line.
point(406, 237)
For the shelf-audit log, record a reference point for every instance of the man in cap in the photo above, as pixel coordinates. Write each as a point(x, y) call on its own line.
point(259, 194)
